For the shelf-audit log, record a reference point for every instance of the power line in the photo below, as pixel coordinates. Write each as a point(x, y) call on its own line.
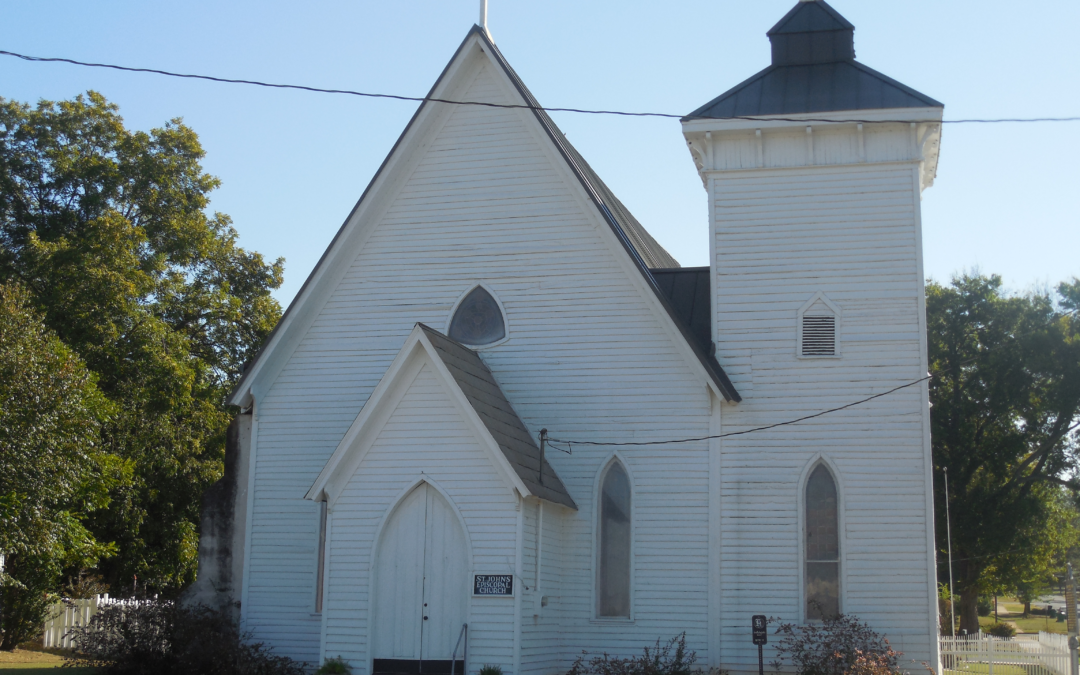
point(571, 443)
point(430, 99)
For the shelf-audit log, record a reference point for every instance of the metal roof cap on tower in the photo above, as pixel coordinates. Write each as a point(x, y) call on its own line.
point(813, 71)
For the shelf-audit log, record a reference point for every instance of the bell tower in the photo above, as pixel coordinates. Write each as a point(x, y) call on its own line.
point(814, 169)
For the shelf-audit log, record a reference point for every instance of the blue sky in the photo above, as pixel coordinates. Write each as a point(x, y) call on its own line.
point(293, 164)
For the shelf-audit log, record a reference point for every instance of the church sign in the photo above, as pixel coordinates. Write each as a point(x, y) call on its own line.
point(493, 584)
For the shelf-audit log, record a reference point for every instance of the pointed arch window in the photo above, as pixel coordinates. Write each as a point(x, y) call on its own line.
point(478, 319)
point(821, 579)
point(613, 545)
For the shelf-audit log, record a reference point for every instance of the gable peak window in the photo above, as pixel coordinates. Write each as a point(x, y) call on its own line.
point(821, 577)
point(478, 319)
point(818, 328)
point(614, 564)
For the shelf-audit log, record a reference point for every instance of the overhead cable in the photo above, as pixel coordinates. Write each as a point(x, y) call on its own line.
point(571, 443)
point(431, 99)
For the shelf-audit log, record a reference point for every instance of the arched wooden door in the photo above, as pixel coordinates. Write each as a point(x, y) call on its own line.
point(421, 587)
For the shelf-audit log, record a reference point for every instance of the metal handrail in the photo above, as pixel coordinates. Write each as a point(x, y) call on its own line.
point(453, 657)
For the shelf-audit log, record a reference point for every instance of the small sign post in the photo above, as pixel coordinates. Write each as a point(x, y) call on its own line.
point(761, 638)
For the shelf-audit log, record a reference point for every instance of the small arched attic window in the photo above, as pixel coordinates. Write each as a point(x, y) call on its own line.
point(478, 319)
point(818, 329)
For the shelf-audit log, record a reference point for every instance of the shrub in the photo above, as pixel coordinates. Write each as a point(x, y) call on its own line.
point(947, 622)
point(671, 658)
point(1005, 630)
point(984, 606)
point(336, 667)
point(163, 638)
point(841, 645)
point(491, 670)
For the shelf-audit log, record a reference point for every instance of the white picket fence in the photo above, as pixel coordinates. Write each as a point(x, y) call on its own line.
point(68, 614)
point(984, 654)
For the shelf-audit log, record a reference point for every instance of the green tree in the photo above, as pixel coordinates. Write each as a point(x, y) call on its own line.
point(1033, 571)
point(109, 230)
point(53, 470)
point(1006, 405)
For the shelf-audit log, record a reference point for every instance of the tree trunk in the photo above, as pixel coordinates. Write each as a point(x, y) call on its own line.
point(1027, 608)
point(969, 609)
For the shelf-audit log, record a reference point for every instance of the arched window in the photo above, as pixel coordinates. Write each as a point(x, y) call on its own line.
point(613, 573)
point(478, 319)
point(822, 576)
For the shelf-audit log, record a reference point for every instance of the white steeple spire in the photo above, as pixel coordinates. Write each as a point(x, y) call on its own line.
point(483, 14)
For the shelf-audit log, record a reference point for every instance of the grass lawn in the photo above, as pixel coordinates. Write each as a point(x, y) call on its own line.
point(982, 669)
point(26, 662)
point(1032, 624)
point(9, 669)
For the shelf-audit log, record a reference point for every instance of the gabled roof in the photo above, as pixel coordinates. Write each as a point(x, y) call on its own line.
point(638, 243)
point(813, 71)
point(506, 438)
point(641, 243)
point(506, 428)
point(636, 240)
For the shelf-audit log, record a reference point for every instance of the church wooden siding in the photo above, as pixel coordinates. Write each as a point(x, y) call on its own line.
point(781, 236)
point(424, 438)
point(588, 357)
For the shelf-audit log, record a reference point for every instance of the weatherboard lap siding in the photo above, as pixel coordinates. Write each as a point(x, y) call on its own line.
point(424, 438)
point(782, 235)
point(587, 357)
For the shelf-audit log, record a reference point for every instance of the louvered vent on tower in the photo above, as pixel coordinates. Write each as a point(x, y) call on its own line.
point(818, 328)
point(819, 336)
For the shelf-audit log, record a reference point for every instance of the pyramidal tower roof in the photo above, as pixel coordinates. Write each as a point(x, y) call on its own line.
point(813, 71)
point(810, 16)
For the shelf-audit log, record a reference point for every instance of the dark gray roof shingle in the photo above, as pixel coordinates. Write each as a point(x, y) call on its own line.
point(480, 388)
point(813, 71)
point(689, 292)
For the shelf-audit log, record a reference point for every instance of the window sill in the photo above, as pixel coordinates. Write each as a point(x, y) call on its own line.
point(612, 622)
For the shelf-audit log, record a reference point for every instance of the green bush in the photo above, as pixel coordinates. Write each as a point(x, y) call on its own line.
point(1005, 630)
point(163, 638)
point(984, 606)
point(337, 667)
point(489, 669)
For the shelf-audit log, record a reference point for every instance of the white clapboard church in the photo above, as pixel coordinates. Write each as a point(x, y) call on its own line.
point(466, 441)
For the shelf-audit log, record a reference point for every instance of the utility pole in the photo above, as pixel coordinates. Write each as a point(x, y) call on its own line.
point(948, 534)
point(1070, 615)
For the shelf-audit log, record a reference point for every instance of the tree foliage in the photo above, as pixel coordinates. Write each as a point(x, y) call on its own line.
point(53, 469)
point(108, 230)
point(1006, 407)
